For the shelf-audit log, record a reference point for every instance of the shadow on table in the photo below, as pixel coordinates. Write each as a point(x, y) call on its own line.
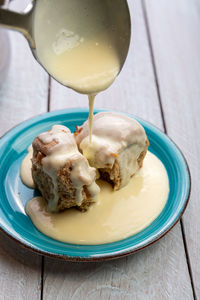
point(11, 252)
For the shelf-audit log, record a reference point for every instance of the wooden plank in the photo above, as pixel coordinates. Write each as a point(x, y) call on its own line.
point(20, 271)
point(160, 271)
point(174, 29)
point(23, 94)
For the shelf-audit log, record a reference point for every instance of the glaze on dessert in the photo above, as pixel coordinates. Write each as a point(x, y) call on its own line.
point(118, 146)
point(115, 215)
point(57, 159)
point(25, 170)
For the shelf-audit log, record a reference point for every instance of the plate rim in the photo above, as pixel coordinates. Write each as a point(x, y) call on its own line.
point(103, 256)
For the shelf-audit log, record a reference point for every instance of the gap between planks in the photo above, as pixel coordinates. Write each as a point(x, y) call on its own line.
point(43, 258)
point(42, 278)
point(165, 130)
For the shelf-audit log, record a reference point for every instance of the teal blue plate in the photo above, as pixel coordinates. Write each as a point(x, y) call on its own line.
point(14, 195)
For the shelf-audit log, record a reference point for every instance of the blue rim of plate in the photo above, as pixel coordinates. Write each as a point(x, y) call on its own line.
point(14, 195)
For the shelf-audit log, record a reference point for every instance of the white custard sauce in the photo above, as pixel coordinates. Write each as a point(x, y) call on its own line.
point(78, 43)
point(25, 170)
point(115, 215)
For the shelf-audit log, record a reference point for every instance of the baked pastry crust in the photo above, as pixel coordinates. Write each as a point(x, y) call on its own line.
point(112, 175)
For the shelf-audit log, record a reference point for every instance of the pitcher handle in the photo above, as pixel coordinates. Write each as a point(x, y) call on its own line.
point(18, 21)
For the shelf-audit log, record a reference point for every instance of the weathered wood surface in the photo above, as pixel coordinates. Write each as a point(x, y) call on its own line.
point(159, 272)
point(174, 30)
point(23, 94)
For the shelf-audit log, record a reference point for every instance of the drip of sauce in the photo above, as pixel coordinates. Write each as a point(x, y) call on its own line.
point(115, 215)
point(90, 118)
point(25, 170)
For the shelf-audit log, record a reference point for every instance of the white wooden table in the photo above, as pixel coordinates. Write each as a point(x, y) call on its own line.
point(160, 82)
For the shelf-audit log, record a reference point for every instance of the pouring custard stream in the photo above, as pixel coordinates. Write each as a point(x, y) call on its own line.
point(79, 44)
point(81, 48)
